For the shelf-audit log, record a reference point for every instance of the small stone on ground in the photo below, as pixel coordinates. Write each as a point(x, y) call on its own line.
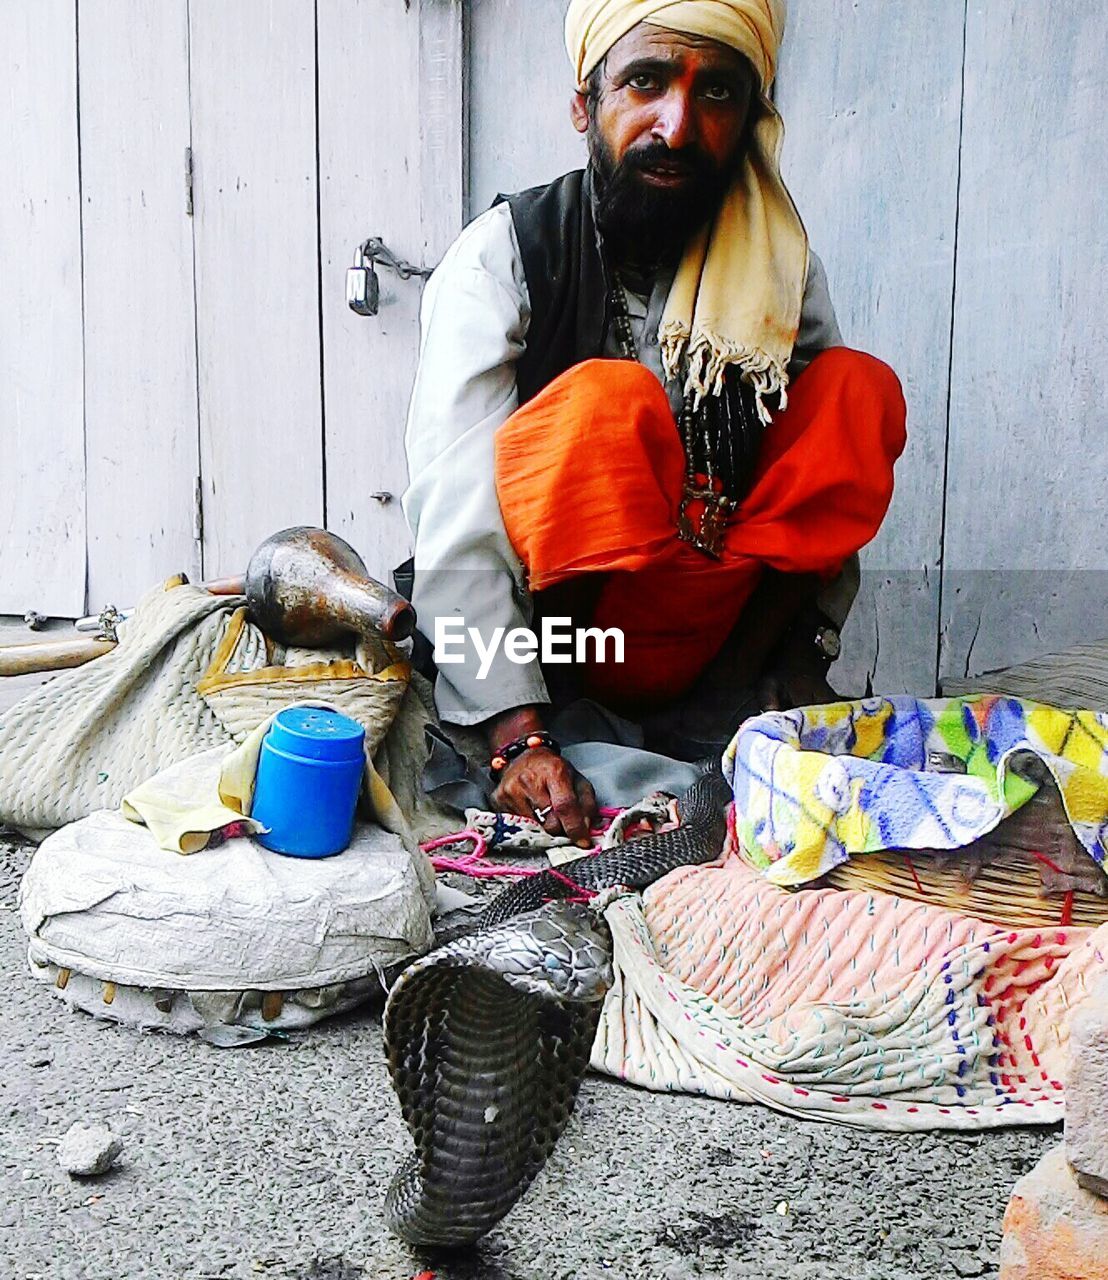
point(1087, 1093)
point(88, 1150)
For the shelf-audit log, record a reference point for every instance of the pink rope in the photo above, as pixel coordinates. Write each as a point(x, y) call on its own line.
point(480, 844)
point(472, 864)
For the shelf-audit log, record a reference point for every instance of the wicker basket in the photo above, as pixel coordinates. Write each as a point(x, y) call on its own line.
point(1030, 872)
point(249, 679)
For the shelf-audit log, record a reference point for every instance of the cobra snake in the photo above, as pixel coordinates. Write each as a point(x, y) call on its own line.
point(489, 1036)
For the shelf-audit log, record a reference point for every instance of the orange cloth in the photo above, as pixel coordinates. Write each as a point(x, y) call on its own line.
point(589, 475)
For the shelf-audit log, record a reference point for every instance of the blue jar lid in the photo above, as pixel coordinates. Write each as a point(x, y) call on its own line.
point(316, 734)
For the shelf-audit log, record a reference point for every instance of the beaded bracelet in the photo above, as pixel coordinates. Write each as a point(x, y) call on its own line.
point(511, 750)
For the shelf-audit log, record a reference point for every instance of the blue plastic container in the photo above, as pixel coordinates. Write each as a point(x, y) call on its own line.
point(309, 774)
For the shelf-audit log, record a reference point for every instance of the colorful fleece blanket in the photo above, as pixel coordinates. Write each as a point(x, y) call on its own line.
point(815, 786)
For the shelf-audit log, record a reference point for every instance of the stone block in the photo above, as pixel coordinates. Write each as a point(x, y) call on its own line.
point(1053, 1228)
point(1087, 1093)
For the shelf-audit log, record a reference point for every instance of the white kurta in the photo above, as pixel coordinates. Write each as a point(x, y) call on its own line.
point(474, 321)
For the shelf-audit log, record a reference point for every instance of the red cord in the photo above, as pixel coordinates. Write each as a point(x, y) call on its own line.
point(912, 869)
point(1041, 857)
point(472, 864)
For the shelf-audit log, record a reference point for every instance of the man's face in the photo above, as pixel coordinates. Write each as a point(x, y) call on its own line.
point(665, 133)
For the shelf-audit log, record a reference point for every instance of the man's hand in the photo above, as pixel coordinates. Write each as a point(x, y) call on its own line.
point(541, 780)
point(796, 679)
point(796, 675)
point(786, 688)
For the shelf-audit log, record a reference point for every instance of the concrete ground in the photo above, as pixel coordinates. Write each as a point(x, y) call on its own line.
point(272, 1161)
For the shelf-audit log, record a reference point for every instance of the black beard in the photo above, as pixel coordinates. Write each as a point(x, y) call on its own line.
point(646, 226)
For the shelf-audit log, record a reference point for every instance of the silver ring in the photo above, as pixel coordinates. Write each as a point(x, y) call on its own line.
point(541, 815)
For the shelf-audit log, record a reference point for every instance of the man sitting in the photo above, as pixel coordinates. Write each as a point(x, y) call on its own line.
point(600, 426)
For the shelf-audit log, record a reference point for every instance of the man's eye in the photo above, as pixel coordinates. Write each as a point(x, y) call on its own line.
point(719, 93)
point(643, 82)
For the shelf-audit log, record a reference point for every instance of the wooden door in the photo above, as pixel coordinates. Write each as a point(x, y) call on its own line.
point(871, 97)
point(257, 273)
point(141, 427)
point(520, 82)
point(42, 515)
point(391, 134)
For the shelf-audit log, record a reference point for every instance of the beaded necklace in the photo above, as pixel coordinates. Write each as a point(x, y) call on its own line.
point(717, 473)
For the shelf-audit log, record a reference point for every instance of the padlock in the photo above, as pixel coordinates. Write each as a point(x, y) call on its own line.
point(363, 289)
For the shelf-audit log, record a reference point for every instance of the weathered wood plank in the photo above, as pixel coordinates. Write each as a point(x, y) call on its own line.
point(1026, 538)
point(520, 84)
point(257, 272)
point(42, 516)
point(444, 121)
point(871, 94)
point(140, 335)
point(369, 157)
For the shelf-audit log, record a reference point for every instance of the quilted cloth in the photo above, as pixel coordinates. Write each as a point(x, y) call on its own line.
point(246, 689)
point(845, 1005)
point(815, 786)
point(84, 739)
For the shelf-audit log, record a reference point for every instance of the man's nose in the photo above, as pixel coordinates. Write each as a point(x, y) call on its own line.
point(675, 123)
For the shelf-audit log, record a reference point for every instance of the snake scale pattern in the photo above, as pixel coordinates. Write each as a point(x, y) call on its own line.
point(489, 1036)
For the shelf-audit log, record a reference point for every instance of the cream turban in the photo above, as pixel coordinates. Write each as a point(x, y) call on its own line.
point(738, 292)
point(754, 27)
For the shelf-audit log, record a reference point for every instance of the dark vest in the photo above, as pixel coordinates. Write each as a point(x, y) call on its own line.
point(566, 279)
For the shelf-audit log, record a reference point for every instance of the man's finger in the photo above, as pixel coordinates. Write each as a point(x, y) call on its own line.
point(522, 789)
point(563, 796)
point(511, 798)
point(586, 797)
point(535, 801)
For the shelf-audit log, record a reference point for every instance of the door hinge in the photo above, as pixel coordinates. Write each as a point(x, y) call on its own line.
point(188, 182)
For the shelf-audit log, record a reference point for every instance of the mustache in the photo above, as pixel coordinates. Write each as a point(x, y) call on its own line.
point(687, 161)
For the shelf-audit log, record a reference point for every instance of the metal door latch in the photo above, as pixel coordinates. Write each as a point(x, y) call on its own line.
point(363, 288)
point(105, 623)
